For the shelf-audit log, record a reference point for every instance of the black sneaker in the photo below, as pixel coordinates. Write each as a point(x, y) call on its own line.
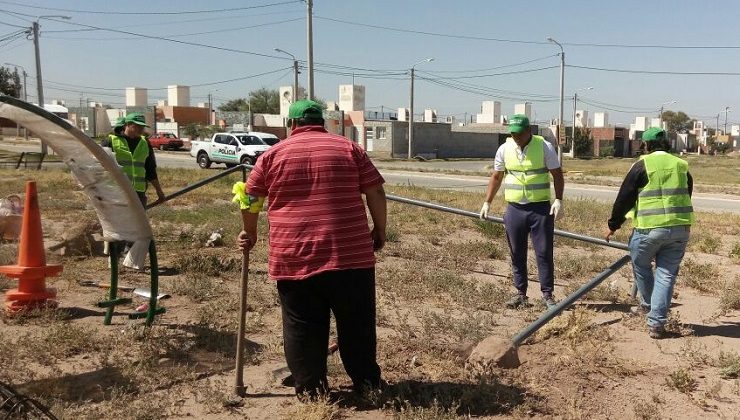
point(518, 301)
point(550, 302)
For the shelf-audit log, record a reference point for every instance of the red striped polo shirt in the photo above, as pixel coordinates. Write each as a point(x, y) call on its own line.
point(313, 181)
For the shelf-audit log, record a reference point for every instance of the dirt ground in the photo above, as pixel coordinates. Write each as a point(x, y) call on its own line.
point(441, 284)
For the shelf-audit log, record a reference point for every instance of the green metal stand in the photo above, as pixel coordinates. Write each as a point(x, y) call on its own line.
point(113, 298)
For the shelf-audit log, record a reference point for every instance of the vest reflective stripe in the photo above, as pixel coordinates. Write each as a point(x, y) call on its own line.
point(652, 212)
point(132, 164)
point(527, 181)
point(664, 191)
point(665, 200)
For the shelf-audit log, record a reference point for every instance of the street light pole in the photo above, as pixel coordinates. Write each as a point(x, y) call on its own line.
point(39, 83)
point(310, 49)
point(562, 87)
point(661, 111)
point(295, 73)
point(727, 109)
point(411, 106)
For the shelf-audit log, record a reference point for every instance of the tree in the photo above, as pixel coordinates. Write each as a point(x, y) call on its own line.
point(10, 82)
point(240, 104)
point(265, 101)
point(583, 142)
point(678, 122)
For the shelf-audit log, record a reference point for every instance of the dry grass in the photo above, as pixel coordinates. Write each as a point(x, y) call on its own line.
point(730, 296)
point(703, 277)
point(441, 282)
point(682, 381)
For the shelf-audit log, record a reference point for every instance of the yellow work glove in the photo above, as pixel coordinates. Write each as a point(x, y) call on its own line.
point(246, 201)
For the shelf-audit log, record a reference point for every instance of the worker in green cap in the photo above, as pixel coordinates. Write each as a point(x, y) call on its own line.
point(656, 194)
point(321, 249)
point(524, 165)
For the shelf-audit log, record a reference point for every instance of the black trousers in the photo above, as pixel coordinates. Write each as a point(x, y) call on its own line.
point(306, 304)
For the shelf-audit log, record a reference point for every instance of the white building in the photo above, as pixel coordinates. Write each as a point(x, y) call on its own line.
point(525, 108)
point(490, 113)
point(430, 115)
point(351, 98)
point(178, 95)
point(581, 119)
point(136, 96)
point(601, 119)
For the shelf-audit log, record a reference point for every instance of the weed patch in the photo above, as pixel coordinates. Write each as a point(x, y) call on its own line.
point(730, 299)
point(700, 276)
point(729, 365)
point(682, 381)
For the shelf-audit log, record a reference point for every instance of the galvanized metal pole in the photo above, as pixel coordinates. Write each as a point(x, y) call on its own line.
point(474, 215)
point(555, 311)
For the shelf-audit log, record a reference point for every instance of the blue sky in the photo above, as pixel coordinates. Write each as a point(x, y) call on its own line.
point(379, 40)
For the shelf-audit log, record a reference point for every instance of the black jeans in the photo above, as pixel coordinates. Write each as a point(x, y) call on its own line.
point(350, 296)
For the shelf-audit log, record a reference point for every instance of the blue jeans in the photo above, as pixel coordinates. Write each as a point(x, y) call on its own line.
point(666, 246)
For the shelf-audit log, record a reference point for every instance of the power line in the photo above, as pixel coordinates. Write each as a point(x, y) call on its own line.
point(498, 67)
point(186, 12)
point(410, 31)
point(682, 73)
point(15, 26)
point(181, 35)
point(478, 76)
point(497, 91)
point(521, 41)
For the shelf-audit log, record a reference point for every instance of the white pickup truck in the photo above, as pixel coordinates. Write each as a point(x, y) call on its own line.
point(231, 148)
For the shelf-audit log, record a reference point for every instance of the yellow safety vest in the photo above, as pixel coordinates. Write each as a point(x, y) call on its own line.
point(665, 200)
point(527, 181)
point(132, 163)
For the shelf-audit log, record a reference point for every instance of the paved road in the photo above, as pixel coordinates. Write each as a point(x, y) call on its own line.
point(703, 202)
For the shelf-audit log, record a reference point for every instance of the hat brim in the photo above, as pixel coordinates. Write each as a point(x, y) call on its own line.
point(515, 129)
point(138, 123)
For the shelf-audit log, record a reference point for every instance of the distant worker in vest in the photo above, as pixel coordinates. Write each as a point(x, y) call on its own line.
point(136, 158)
point(321, 249)
point(656, 193)
point(523, 164)
point(134, 154)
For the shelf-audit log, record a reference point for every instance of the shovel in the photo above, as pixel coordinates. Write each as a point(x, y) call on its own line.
point(239, 388)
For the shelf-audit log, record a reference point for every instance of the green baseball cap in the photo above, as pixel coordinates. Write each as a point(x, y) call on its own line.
point(120, 122)
point(305, 109)
point(136, 118)
point(653, 133)
point(518, 123)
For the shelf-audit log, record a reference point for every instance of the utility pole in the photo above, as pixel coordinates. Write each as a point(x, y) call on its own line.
point(716, 131)
point(39, 83)
point(210, 107)
point(411, 114)
point(727, 109)
point(310, 49)
point(561, 123)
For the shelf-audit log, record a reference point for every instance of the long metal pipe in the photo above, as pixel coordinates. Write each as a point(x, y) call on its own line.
point(201, 183)
point(460, 212)
point(555, 311)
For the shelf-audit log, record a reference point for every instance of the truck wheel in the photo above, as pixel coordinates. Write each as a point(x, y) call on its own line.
point(161, 147)
point(246, 160)
point(203, 161)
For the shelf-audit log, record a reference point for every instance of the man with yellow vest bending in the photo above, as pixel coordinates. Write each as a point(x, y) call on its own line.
point(657, 194)
point(524, 165)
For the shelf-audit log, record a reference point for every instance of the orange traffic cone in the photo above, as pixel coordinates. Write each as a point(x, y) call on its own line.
point(31, 270)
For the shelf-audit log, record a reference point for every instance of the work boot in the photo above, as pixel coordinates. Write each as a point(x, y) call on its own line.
point(518, 301)
point(657, 332)
point(550, 302)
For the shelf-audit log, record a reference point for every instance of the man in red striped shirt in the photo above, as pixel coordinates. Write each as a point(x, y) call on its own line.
point(320, 246)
